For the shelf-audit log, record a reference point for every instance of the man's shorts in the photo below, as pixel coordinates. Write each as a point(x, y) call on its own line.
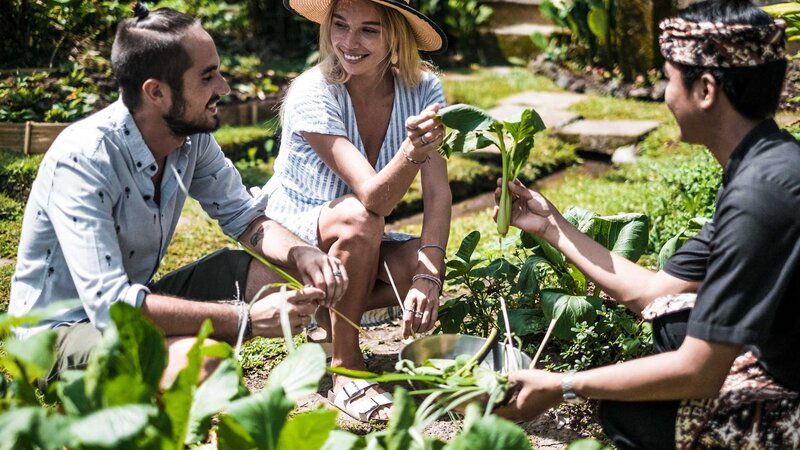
point(222, 275)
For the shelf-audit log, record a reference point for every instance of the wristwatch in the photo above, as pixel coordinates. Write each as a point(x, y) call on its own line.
point(567, 393)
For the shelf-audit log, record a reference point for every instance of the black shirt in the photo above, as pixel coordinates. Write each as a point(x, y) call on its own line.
point(748, 258)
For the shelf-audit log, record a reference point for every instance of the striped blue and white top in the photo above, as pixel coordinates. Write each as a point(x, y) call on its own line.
point(303, 183)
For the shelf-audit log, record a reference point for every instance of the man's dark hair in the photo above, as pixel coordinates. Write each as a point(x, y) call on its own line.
point(149, 46)
point(753, 91)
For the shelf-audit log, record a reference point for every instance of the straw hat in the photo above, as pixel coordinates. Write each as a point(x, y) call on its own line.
point(430, 38)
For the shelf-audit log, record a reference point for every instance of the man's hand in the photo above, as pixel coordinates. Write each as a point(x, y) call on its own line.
point(539, 391)
point(530, 211)
point(265, 315)
point(324, 272)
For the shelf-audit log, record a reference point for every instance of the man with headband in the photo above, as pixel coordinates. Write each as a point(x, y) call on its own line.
point(725, 308)
point(109, 194)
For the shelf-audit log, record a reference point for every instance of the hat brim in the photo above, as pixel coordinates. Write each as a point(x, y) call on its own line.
point(430, 38)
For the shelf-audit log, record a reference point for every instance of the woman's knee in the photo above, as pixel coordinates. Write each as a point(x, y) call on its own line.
point(357, 222)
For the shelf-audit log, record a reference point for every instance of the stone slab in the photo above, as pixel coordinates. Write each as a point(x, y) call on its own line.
point(552, 118)
point(551, 100)
point(525, 29)
point(605, 136)
point(6, 262)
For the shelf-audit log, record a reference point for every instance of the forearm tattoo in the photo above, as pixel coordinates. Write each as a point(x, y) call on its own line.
point(257, 237)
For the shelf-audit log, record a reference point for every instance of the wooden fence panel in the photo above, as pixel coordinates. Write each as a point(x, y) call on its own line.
point(12, 136)
point(36, 137)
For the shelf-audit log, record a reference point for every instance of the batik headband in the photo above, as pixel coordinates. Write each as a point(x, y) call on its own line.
point(720, 45)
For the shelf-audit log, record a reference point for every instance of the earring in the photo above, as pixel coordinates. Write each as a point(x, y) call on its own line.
point(394, 58)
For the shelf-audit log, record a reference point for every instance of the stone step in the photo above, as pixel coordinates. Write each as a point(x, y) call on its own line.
point(514, 41)
point(553, 118)
point(551, 100)
point(605, 136)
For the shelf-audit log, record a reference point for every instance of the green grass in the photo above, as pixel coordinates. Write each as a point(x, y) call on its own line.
point(607, 108)
point(6, 272)
point(196, 236)
point(229, 135)
point(486, 87)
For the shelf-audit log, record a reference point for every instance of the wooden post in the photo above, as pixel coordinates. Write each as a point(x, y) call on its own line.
point(26, 144)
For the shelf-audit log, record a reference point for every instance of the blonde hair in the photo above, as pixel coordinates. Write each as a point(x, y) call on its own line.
point(408, 66)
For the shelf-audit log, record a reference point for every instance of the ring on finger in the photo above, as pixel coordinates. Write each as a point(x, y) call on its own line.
point(423, 140)
point(337, 273)
point(418, 314)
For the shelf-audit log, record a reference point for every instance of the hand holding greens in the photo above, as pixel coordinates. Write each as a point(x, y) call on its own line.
point(474, 129)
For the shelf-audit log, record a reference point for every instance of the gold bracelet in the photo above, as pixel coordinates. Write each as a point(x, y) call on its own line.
point(414, 161)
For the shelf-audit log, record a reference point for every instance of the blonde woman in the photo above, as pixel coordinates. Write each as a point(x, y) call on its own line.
point(357, 129)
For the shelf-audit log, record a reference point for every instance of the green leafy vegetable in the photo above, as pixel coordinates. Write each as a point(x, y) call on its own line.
point(474, 129)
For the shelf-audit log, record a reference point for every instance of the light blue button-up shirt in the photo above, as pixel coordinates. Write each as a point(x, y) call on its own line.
point(92, 229)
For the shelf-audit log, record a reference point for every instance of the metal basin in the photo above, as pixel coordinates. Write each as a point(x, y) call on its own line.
point(449, 346)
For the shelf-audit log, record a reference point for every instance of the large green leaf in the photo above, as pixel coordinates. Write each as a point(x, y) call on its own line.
point(231, 435)
point(465, 118)
point(126, 389)
point(528, 282)
point(32, 427)
point(568, 310)
point(113, 427)
point(624, 234)
point(342, 440)
point(402, 420)
point(456, 142)
point(179, 397)
point(300, 372)
point(142, 349)
point(213, 396)
point(308, 431)
point(528, 124)
point(588, 444)
point(525, 321)
point(262, 415)
point(581, 218)
point(468, 246)
point(489, 433)
point(597, 20)
point(71, 392)
point(35, 356)
point(452, 314)
point(555, 257)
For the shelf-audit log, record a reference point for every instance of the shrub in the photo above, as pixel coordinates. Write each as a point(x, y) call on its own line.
point(17, 172)
point(689, 188)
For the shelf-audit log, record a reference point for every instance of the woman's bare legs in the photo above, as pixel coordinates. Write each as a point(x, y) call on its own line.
point(354, 235)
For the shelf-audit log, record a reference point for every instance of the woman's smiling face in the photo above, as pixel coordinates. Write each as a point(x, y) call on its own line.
point(358, 37)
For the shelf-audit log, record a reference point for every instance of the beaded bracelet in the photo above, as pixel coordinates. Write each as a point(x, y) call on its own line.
point(425, 276)
point(414, 161)
point(431, 246)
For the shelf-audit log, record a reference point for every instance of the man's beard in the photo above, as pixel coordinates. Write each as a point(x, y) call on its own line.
point(181, 127)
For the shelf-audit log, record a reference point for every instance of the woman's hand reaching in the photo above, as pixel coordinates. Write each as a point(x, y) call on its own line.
point(424, 134)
